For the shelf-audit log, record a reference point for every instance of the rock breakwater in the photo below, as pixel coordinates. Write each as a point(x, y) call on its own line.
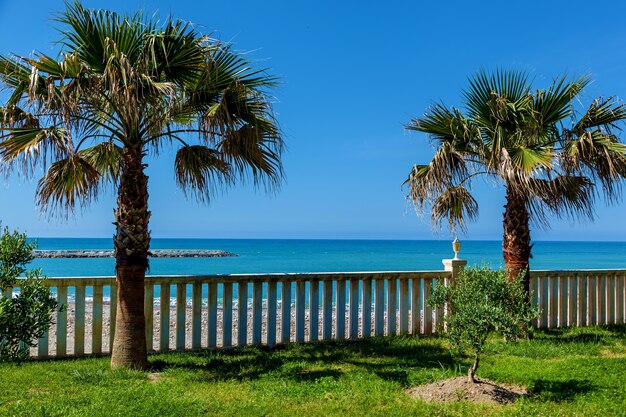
point(156, 253)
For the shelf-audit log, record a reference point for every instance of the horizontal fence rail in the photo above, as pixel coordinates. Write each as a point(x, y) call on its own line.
point(220, 311)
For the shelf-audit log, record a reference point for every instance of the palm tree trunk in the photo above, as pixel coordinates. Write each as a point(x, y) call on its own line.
point(132, 241)
point(516, 245)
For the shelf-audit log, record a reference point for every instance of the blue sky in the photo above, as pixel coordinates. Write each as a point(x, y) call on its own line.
point(352, 74)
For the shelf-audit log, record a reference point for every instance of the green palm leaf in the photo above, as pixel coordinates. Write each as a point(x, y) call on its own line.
point(456, 205)
point(68, 182)
point(202, 171)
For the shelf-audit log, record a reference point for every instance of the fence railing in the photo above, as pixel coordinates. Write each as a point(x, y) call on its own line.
point(219, 311)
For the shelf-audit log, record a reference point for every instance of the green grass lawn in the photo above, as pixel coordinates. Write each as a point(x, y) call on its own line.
point(577, 372)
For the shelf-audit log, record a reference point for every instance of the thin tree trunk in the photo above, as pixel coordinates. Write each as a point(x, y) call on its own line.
point(516, 245)
point(132, 241)
point(471, 373)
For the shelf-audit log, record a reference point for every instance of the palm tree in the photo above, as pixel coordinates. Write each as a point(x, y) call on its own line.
point(123, 87)
point(547, 156)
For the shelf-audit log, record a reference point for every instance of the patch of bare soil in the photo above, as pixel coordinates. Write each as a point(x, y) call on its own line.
point(154, 377)
point(606, 353)
point(460, 389)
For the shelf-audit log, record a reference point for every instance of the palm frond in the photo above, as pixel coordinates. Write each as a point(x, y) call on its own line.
point(96, 35)
point(555, 103)
point(602, 114)
point(569, 196)
point(175, 53)
point(445, 125)
point(531, 159)
point(68, 182)
point(201, 170)
point(29, 146)
point(105, 158)
point(456, 205)
point(254, 153)
point(509, 86)
point(599, 156)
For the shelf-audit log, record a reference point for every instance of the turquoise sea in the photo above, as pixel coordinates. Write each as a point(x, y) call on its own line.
point(265, 256)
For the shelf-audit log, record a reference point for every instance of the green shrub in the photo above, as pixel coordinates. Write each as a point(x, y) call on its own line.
point(479, 302)
point(25, 316)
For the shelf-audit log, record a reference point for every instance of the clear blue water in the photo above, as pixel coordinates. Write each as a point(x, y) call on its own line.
point(266, 256)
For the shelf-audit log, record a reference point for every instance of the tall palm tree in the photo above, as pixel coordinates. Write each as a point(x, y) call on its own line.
point(547, 156)
point(124, 86)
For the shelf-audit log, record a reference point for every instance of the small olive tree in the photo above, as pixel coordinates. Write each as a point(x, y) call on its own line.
point(479, 302)
point(25, 316)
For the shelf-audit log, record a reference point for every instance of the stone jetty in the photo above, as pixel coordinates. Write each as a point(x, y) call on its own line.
point(155, 253)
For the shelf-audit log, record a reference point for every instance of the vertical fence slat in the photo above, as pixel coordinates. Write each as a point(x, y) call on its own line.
point(148, 311)
point(391, 305)
point(619, 308)
point(96, 334)
point(563, 289)
point(610, 298)
point(590, 301)
point(242, 311)
point(341, 310)
point(367, 308)
point(354, 309)
point(601, 293)
point(42, 342)
point(285, 316)
point(404, 306)
point(571, 300)
point(623, 295)
point(379, 307)
point(597, 300)
point(300, 310)
point(271, 313)
point(164, 331)
point(112, 313)
point(328, 310)
point(181, 310)
point(42, 345)
point(196, 315)
point(314, 314)
point(79, 320)
point(581, 297)
point(415, 306)
point(257, 312)
point(227, 317)
point(554, 299)
point(545, 301)
point(428, 313)
point(534, 286)
point(62, 321)
point(212, 315)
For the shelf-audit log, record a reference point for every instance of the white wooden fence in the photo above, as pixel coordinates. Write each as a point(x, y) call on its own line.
point(579, 298)
point(238, 310)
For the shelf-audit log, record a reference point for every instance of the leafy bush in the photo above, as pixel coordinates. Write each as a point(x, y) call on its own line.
point(479, 302)
point(25, 316)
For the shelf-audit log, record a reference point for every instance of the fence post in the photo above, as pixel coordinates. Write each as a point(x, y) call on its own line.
point(454, 265)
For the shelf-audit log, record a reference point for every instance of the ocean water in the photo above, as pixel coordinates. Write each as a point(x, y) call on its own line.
point(276, 256)
point(268, 256)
